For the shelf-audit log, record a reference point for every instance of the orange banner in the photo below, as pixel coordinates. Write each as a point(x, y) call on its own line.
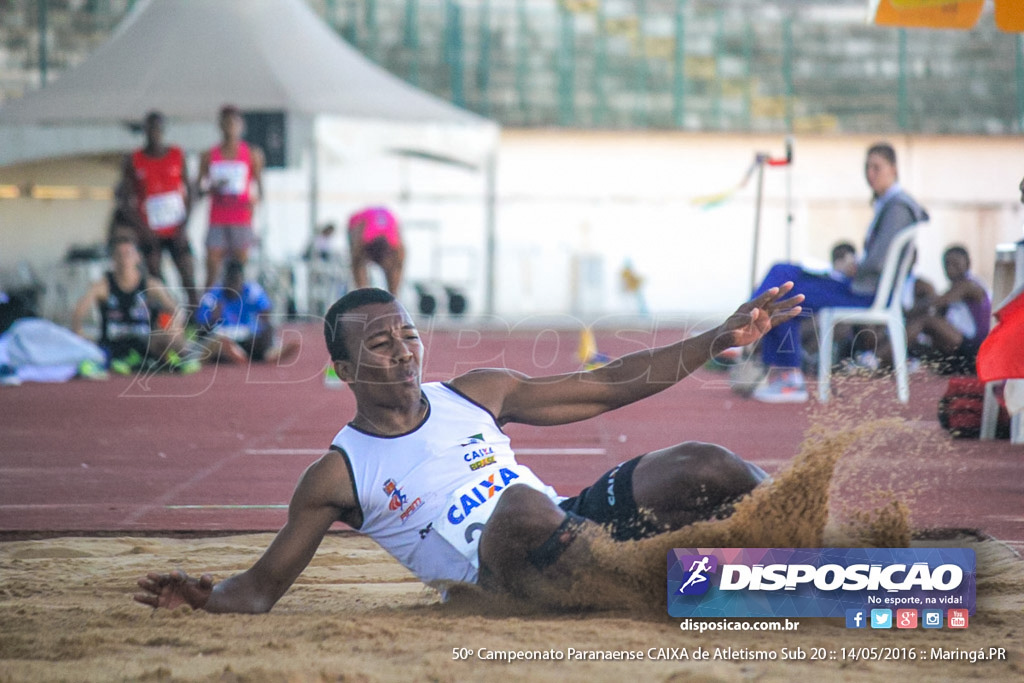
point(1010, 15)
point(962, 14)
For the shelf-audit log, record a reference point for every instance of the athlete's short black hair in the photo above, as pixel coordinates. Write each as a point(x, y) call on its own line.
point(884, 150)
point(960, 251)
point(841, 250)
point(333, 335)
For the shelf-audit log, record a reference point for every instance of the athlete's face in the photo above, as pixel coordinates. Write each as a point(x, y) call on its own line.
point(955, 265)
point(125, 257)
point(880, 173)
point(232, 126)
point(154, 131)
point(385, 351)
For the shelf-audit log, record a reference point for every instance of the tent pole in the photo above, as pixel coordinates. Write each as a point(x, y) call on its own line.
point(314, 187)
point(44, 60)
point(490, 260)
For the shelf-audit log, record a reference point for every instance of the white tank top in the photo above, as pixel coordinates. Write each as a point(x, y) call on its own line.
point(426, 495)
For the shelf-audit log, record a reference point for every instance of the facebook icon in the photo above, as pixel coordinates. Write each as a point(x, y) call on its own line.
point(856, 618)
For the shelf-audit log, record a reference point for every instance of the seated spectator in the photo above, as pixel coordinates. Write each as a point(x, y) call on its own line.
point(233, 315)
point(844, 269)
point(844, 262)
point(950, 328)
point(781, 348)
point(321, 248)
point(130, 305)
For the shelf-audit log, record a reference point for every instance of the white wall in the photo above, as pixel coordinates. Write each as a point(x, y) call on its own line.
point(626, 195)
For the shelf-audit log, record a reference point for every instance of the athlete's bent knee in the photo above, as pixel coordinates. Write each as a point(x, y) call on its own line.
point(525, 510)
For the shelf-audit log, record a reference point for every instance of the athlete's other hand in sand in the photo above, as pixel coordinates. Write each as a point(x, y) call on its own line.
point(429, 474)
point(174, 590)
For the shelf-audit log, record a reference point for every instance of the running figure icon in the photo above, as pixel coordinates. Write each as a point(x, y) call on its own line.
point(697, 571)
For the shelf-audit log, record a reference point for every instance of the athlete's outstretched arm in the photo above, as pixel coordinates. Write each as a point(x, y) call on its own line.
point(558, 399)
point(315, 505)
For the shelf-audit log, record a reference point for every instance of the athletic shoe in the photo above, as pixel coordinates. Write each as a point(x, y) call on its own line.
point(89, 369)
point(868, 361)
point(180, 366)
point(786, 386)
point(127, 364)
point(331, 379)
point(121, 366)
point(9, 376)
point(746, 375)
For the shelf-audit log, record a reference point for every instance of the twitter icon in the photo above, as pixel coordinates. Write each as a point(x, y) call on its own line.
point(881, 618)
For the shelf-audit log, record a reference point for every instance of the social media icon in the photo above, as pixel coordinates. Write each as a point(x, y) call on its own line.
point(856, 618)
point(957, 618)
point(881, 618)
point(931, 618)
point(906, 618)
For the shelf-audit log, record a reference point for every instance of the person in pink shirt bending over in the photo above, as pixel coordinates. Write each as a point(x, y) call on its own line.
point(373, 235)
point(228, 172)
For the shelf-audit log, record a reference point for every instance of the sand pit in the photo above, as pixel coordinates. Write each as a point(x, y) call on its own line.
point(66, 611)
point(66, 614)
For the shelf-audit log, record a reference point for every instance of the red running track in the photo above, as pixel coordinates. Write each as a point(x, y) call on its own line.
point(221, 450)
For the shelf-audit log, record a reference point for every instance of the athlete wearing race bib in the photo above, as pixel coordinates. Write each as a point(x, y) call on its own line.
point(425, 496)
point(427, 471)
point(229, 172)
point(154, 200)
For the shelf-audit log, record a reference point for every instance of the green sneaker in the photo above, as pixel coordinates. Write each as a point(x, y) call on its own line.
point(331, 379)
point(90, 369)
point(121, 366)
point(181, 366)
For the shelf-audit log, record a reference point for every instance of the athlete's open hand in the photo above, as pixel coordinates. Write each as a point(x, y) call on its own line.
point(752, 320)
point(175, 589)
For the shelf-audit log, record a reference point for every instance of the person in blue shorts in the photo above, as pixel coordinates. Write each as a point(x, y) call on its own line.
point(233, 316)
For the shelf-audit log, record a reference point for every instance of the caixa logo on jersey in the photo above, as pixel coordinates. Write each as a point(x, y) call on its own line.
point(816, 582)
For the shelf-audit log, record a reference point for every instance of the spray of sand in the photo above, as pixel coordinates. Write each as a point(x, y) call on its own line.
point(879, 464)
point(790, 511)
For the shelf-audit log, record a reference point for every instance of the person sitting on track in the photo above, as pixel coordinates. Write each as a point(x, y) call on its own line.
point(131, 305)
point(427, 471)
point(234, 320)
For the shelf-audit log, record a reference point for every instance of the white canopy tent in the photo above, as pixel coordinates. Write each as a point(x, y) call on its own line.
point(186, 58)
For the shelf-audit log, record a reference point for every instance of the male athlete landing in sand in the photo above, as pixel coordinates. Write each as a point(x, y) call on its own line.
point(427, 472)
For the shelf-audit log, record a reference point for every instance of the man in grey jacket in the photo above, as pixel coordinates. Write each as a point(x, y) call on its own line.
point(894, 210)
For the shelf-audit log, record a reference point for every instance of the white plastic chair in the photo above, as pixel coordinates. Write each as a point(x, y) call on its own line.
point(886, 310)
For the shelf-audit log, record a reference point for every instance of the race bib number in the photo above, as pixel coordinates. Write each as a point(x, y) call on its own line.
point(229, 176)
point(165, 210)
point(468, 509)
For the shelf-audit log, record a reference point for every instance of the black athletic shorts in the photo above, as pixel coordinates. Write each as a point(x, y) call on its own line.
point(609, 502)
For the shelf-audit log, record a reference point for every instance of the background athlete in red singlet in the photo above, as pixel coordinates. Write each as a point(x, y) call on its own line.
point(228, 172)
point(154, 199)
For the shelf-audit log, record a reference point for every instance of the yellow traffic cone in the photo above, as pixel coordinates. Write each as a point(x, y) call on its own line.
point(588, 354)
